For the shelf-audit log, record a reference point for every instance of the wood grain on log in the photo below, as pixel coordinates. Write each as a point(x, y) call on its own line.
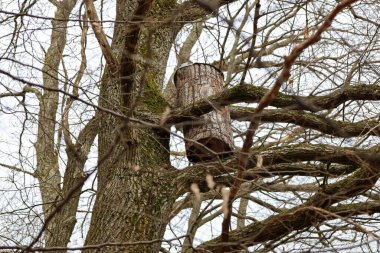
point(210, 135)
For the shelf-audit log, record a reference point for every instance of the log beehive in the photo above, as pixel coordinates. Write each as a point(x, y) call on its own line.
point(209, 135)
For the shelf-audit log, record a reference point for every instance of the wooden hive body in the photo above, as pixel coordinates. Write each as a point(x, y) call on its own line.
point(211, 135)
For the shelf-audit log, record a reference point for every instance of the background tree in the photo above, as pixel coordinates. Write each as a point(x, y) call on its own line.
point(93, 159)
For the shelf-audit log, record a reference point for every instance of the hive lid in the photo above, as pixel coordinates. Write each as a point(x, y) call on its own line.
point(187, 64)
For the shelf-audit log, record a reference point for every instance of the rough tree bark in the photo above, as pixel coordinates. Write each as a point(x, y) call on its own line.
point(134, 196)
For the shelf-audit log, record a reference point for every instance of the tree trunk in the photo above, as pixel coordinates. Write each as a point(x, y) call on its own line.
point(134, 197)
point(134, 194)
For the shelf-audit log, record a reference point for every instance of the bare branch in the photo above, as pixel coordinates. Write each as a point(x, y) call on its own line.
point(303, 215)
point(14, 168)
point(264, 102)
point(312, 121)
point(252, 94)
point(101, 37)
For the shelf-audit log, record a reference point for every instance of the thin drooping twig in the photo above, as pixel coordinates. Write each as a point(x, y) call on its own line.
point(264, 102)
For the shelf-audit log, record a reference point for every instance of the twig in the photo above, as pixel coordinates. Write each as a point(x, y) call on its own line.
point(264, 102)
point(14, 168)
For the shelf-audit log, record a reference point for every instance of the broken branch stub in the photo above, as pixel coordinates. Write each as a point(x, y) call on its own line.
point(209, 135)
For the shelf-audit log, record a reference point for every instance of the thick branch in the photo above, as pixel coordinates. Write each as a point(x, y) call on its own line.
point(47, 160)
point(278, 161)
point(252, 94)
point(127, 63)
point(193, 10)
point(300, 169)
point(304, 215)
point(47, 171)
point(101, 37)
point(64, 220)
point(313, 121)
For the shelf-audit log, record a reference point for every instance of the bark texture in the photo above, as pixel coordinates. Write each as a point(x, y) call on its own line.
point(134, 196)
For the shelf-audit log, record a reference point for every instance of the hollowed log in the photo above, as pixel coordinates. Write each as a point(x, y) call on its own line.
point(209, 136)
